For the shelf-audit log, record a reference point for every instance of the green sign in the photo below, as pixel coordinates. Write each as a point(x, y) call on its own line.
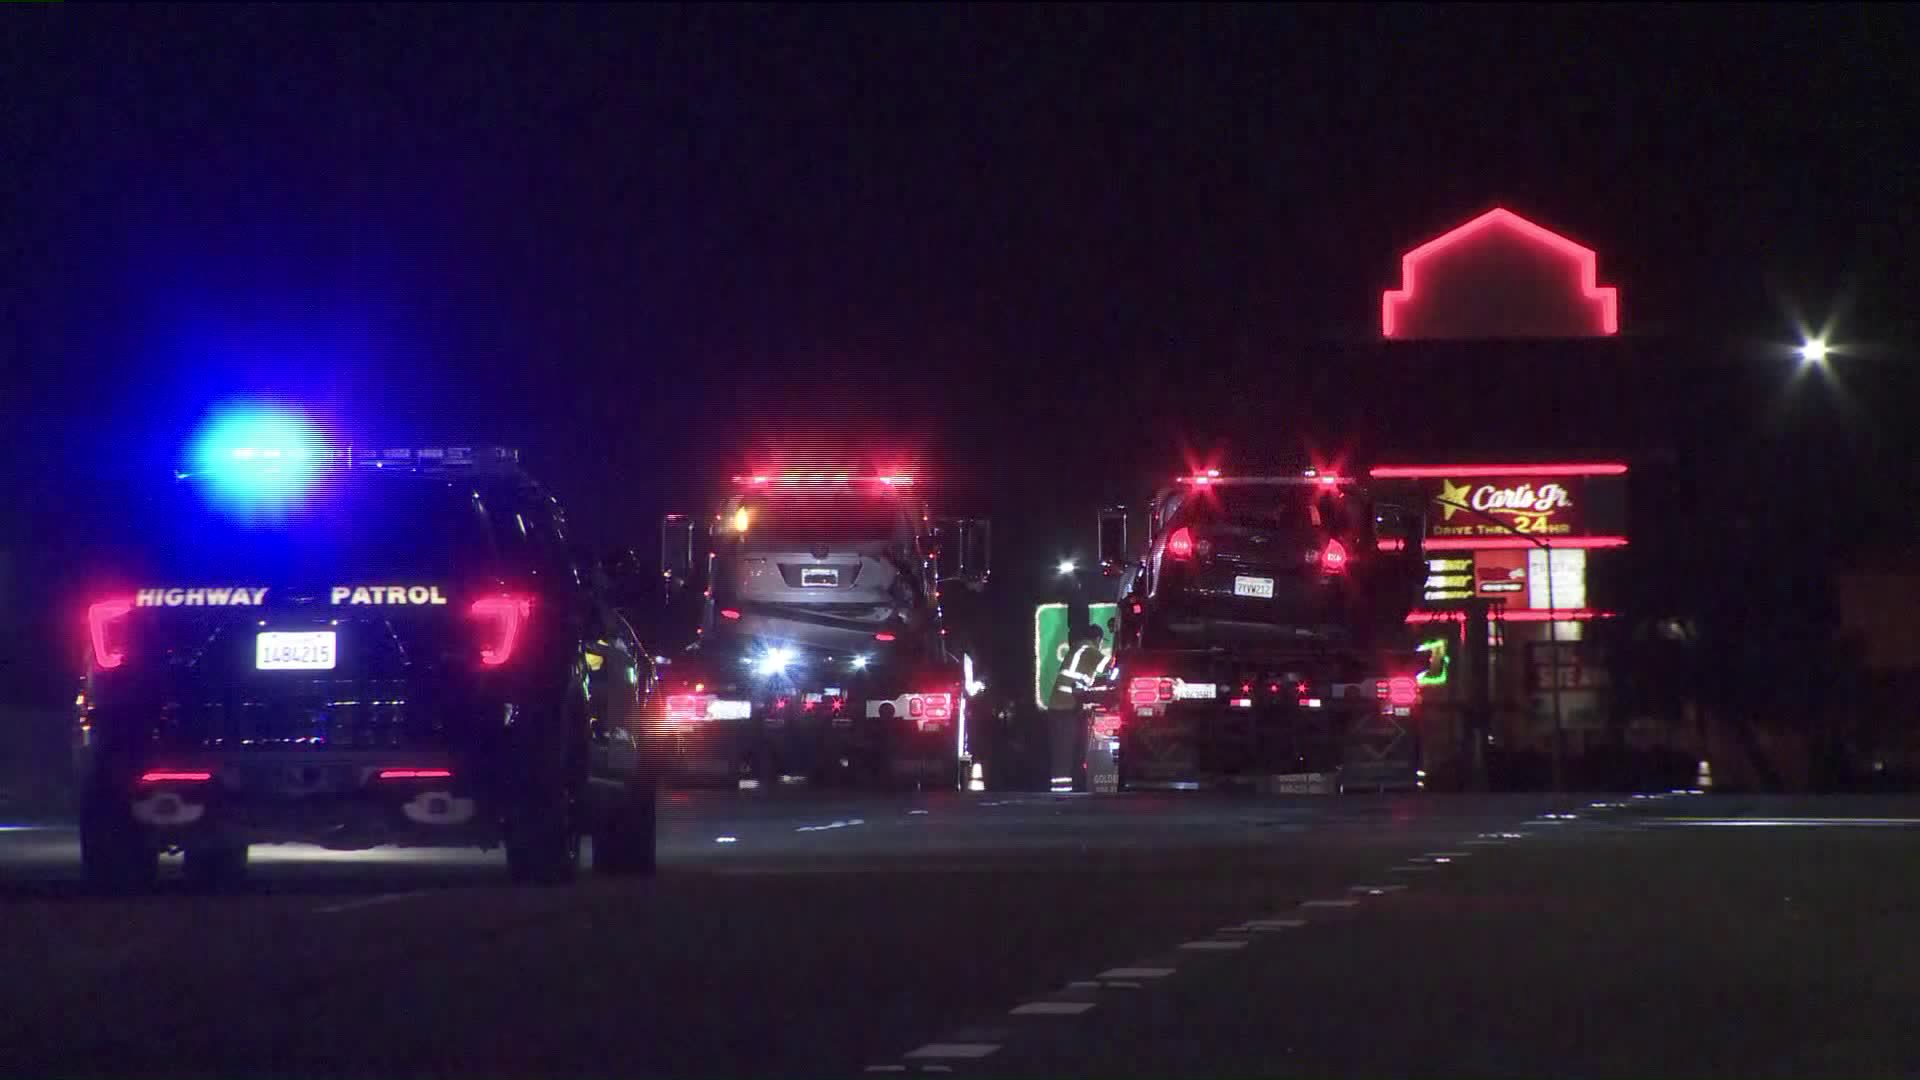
point(1050, 643)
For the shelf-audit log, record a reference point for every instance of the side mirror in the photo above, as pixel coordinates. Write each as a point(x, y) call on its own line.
point(1113, 540)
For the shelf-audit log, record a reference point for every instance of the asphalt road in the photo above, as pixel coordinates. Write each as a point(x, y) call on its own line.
point(800, 934)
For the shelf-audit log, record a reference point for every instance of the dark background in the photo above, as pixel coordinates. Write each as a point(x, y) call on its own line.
point(1053, 250)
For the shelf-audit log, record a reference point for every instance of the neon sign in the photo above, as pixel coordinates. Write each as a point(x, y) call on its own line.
point(1486, 279)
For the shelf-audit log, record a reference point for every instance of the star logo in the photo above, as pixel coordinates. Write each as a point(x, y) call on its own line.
point(1450, 494)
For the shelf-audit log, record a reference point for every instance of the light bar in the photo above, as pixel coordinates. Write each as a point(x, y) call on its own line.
point(1462, 472)
point(1514, 543)
point(416, 774)
point(405, 457)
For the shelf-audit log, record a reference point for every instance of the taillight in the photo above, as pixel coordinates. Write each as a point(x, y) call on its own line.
point(729, 613)
point(1401, 690)
point(106, 626)
point(1333, 558)
point(930, 711)
point(687, 708)
point(501, 619)
point(883, 636)
point(415, 774)
point(174, 776)
point(1180, 544)
point(1150, 690)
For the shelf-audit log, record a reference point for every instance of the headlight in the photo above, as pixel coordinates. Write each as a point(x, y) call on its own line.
point(775, 661)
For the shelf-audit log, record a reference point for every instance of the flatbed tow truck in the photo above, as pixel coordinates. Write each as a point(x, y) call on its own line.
point(1263, 639)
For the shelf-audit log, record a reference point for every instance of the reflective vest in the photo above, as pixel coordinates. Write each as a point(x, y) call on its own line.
point(1076, 674)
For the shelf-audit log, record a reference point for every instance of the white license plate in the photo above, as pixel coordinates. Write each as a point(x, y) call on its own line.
point(1261, 587)
point(275, 650)
point(1193, 691)
point(817, 577)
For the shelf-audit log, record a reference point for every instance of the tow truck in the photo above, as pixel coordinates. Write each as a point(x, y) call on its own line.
point(1263, 637)
point(819, 649)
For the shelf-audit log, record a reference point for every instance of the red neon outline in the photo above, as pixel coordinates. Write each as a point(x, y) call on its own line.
point(173, 776)
point(1524, 615)
point(1514, 543)
point(416, 774)
point(1607, 295)
point(1392, 545)
point(1448, 472)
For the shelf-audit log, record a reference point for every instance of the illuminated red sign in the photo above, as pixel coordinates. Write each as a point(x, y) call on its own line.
point(1512, 507)
point(1499, 276)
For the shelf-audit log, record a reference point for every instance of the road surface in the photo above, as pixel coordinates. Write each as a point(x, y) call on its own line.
point(806, 934)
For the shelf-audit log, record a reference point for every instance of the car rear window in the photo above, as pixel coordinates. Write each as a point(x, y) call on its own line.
point(828, 519)
point(385, 527)
point(1256, 507)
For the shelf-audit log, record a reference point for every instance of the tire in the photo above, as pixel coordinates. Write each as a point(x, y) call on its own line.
point(216, 868)
point(625, 845)
point(115, 855)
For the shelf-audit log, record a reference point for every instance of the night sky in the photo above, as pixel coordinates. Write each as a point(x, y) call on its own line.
point(633, 239)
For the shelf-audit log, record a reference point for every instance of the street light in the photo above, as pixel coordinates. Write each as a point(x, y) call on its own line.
point(1814, 351)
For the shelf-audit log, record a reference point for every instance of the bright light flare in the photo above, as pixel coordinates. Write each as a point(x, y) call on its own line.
point(1066, 566)
point(774, 662)
point(257, 456)
point(1814, 351)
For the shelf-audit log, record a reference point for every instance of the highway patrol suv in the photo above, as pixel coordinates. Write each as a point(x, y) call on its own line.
point(393, 647)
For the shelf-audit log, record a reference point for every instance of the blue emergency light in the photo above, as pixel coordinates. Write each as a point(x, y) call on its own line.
point(257, 456)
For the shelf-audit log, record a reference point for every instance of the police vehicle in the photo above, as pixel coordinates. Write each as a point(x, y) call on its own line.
point(355, 649)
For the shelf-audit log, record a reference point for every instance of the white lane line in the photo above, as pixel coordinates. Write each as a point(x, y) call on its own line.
point(886, 1068)
point(1377, 890)
point(936, 1068)
point(916, 812)
point(1482, 843)
point(1084, 984)
point(834, 825)
point(1213, 946)
point(1276, 924)
point(1449, 854)
point(1052, 1008)
point(1135, 973)
point(368, 901)
point(1411, 869)
point(1328, 903)
point(1122, 984)
point(967, 1051)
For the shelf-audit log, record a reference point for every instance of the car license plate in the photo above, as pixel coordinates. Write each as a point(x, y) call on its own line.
point(729, 710)
point(819, 577)
point(1261, 587)
point(275, 650)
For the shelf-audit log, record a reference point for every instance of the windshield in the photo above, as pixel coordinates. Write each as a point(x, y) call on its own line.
point(1254, 507)
point(826, 519)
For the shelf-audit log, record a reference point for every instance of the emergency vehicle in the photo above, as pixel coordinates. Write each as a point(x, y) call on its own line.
point(1263, 635)
point(816, 643)
point(352, 648)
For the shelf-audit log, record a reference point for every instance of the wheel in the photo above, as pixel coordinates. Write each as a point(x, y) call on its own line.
point(115, 855)
point(211, 868)
point(625, 844)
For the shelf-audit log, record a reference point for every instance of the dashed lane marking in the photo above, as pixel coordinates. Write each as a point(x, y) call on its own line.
point(1122, 984)
point(1411, 869)
point(1214, 946)
point(1276, 924)
point(1084, 984)
point(1329, 903)
point(368, 901)
point(1136, 973)
point(1052, 1008)
point(1377, 890)
point(886, 1068)
point(965, 1051)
